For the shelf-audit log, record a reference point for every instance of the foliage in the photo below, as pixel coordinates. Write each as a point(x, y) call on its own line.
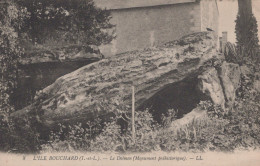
point(67, 21)
point(222, 130)
point(236, 54)
point(76, 22)
point(117, 141)
point(236, 129)
point(247, 32)
point(168, 117)
point(193, 137)
point(232, 54)
point(19, 136)
point(213, 111)
point(111, 138)
point(72, 137)
point(10, 51)
point(219, 131)
point(11, 22)
point(244, 123)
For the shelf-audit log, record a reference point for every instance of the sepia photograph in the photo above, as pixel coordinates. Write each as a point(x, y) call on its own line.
point(129, 82)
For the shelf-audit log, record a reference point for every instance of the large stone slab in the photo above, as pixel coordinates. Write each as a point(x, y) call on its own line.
point(60, 54)
point(104, 87)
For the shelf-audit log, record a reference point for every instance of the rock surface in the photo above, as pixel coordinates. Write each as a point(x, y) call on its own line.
point(61, 54)
point(257, 85)
point(105, 86)
point(245, 70)
point(220, 84)
point(229, 74)
point(195, 114)
point(209, 84)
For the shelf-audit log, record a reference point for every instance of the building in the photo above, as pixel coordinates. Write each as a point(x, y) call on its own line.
point(146, 23)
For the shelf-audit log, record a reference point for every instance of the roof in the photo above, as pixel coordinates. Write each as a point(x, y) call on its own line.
point(124, 4)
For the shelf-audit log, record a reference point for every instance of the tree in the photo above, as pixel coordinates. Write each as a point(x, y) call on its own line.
point(76, 22)
point(70, 21)
point(246, 30)
point(11, 21)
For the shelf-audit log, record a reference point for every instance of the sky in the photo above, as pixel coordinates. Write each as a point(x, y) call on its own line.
point(227, 15)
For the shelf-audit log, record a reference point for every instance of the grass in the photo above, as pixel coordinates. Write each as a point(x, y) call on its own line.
point(238, 128)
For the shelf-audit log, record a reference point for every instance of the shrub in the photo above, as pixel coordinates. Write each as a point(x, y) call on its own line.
point(117, 141)
point(19, 136)
point(72, 137)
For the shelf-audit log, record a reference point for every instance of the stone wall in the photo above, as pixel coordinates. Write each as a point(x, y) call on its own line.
point(209, 15)
point(138, 28)
point(146, 26)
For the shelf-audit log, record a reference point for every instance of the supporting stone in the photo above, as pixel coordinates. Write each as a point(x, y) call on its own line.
point(209, 84)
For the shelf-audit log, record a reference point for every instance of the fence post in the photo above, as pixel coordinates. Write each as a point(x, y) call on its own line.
point(133, 113)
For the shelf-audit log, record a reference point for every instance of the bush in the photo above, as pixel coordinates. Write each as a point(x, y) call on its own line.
point(19, 136)
point(219, 131)
point(72, 137)
point(116, 140)
point(194, 137)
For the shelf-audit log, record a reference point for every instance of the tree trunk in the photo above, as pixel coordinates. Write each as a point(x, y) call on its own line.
point(245, 7)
